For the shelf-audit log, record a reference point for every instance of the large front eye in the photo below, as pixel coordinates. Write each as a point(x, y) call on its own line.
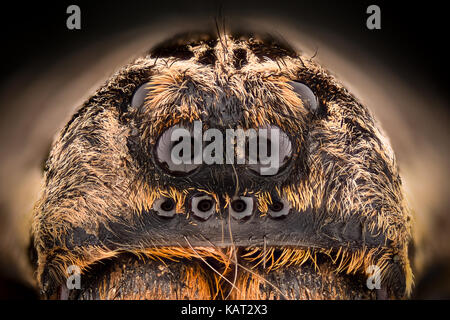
point(140, 95)
point(178, 152)
point(269, 151)
point(308, 97)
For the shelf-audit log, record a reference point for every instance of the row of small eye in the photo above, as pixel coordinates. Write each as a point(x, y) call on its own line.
point(203, 207)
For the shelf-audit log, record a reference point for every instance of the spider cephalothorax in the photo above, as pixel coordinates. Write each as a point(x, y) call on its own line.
point(114, 205)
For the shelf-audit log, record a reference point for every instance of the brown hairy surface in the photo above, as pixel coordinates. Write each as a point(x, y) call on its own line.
point(97, 177)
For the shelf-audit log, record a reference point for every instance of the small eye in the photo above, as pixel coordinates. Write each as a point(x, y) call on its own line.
point(241, 207)
point(268, 153)
point(308, 97)
point(177, 151)
point(140, 95)
point(203, 207)
point(279, 208)
point(164, 207)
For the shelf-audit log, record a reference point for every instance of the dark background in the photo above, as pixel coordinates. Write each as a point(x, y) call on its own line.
point(412, 40)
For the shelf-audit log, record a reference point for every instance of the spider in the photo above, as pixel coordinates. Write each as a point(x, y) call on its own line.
point(139, 226)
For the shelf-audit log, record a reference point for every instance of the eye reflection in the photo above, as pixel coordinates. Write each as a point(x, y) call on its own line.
point(170, 154)
point(308, 97)
point(281, 142)
point(140, 95)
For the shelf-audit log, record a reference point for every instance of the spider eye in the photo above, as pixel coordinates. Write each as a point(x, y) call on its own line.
point(140, 95)
point(279, 208)
point(241, 208)
point(177, 150)
point(281, 144)
point(203, 207)
point(308, 97)
point(164, 207)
